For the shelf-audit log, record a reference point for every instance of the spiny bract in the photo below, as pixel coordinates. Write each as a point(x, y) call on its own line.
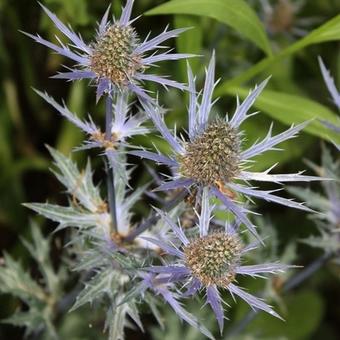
point(213, 156)
point(116, 59)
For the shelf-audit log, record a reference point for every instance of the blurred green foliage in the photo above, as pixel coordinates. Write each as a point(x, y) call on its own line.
point(239, 31)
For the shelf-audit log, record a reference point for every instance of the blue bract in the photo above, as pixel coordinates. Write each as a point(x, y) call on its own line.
point(180, 250)
point(211, 262)
point(213, 156)
point(116, 59)
point(335, 94)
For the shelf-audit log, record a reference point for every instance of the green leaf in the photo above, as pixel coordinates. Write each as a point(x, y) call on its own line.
point(66, 216)
point(115, 321)
point(90, 258)
point(327, 32)
point(313, 198)
point(133, 293)
point(31, 319)
point(151, 301)
point(102, 283)
point(40, 247)
point(297, 325)
point(126, 261)
point(234, 13)
point(289, 109)
point(79, 184)
point(15, 280)
point(189, 42)
point(133, 312)
point(40, 250)
point(70, 7)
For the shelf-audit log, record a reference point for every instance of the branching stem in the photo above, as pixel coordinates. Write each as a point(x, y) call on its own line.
point(155, 217)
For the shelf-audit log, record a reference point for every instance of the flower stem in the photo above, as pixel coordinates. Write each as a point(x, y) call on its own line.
point(300, 277)
point(155, 217)
point(293, 282)
point(109, 170)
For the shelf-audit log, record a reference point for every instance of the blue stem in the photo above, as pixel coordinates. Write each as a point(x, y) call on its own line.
point(111, 193)
point(155, 217)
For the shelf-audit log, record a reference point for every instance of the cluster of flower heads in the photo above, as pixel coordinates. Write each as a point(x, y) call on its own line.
point(208, 163)
point(213, 158)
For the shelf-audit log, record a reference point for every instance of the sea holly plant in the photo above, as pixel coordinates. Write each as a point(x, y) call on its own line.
point(212, 156)
point(328, 223)
point(211, 261)
point(116, 59)
point(127, 263)
point(40, 298)
point(328, 202)
point(109, 264)
point(121, 126)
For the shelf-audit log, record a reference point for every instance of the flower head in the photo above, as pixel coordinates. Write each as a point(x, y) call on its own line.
point(116, 59)
point(122, 126)
point(212, 258)
point(219, 146)
point(113, 54)
point(211, 261)
point(213, 156)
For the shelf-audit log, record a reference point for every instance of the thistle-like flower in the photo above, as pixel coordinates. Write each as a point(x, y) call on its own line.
point(213, 156)
point(210, 262)
point(116, 59)
point(335, 94)
point(122, 126)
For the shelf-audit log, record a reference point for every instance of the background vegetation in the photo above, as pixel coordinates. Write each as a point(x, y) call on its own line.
point(250, 45)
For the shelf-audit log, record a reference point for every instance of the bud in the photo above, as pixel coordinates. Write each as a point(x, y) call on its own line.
point(213, 258)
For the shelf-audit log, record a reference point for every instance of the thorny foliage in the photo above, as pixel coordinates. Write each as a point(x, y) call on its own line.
point(173, 254)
